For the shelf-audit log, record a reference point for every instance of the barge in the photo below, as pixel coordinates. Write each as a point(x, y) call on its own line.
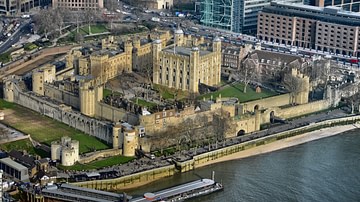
point(182, 192)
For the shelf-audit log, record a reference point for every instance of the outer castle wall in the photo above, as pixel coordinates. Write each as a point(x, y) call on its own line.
point(91, 126)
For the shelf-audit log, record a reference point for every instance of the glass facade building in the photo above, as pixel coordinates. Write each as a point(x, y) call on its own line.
point(234, 15)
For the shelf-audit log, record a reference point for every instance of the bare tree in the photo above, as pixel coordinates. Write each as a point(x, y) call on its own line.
point(294, 85)
point(60, 15)
point(247, 72)
point(111, 5)
point(79, 38)
point(44, 22)
point(90, 16)
point(222, 125)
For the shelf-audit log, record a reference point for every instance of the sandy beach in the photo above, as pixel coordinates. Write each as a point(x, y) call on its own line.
point(285, 143)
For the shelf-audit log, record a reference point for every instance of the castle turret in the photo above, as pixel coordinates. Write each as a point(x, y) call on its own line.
point(194, 65)
point(216, 44)
point(115, 136)
point(87, 98)
point(130, 142)
point(8, 89)
point(156, 49)
point(128, 48)
point(45, 74)
point(136, 43)
point(302, 97)
point(179, 37)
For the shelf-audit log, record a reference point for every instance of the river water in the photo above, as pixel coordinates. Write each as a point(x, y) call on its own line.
point(323, 170)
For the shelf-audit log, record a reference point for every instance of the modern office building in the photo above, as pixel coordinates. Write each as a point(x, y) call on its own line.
point(78, 4)
point(13, 7)
point(348, 5)
point(233, 15)
point(328, 29)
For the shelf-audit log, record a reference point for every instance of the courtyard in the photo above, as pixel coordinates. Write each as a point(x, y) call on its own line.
point(236, 90)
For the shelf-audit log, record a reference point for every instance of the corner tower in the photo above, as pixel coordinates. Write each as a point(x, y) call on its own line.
point(156, 49)
point(179, 37)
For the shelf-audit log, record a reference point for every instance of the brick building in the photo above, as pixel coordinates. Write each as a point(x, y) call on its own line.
point(328, 29)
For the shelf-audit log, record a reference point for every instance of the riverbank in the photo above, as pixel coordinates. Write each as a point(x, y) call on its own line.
point(270, 147)
point(284, 143)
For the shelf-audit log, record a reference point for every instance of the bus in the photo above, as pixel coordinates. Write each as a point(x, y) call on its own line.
point(194, 29)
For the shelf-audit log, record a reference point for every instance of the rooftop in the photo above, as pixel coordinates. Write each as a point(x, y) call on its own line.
point(13, 164)
point(271, 56)
point(329, 14)
point(184, 51)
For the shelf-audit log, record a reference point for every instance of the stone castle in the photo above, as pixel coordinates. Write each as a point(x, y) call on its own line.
point(182, 64)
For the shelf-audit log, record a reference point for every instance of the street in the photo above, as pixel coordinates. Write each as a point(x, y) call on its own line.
point(22, 31)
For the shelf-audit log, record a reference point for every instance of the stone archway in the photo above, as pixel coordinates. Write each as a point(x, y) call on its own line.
point(256, 107)
point(241, 132)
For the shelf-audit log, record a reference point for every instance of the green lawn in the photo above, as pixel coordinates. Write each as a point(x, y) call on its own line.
point(46, 130)
point(107, 92)
point(30, 46)
point(114, 160)
point(95, 29)
point(144, 103)
point(6, 105)
point(236, 90)
point(5, 57)
point(22, 145)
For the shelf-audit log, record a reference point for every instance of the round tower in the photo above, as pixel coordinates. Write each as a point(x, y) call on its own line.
point(87, 99)
point(130, 142)
point(74, 144)
point(55, 150)
point(38, 82)
point(65, 140)
point(179, 37)
point(68, 157)
point(115, 136)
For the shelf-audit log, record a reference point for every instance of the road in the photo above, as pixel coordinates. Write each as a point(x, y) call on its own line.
point(23, 30)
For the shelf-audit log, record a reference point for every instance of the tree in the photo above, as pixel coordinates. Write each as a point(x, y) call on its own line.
point(247, 72)
point(59, 17)
point(111, 5)
point(44, 22)
point(294, 85)
point(222, 125)
point(90, 16)
point(79, 38)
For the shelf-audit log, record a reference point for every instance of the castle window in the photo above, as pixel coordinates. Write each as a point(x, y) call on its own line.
point(164, 114)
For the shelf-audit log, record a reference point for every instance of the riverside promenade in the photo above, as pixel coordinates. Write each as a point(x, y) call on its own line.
point(234, 149)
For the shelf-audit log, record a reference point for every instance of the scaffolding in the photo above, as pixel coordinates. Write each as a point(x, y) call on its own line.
point(217, 13)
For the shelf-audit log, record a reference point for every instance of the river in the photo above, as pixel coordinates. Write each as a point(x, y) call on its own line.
point(323, 170)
